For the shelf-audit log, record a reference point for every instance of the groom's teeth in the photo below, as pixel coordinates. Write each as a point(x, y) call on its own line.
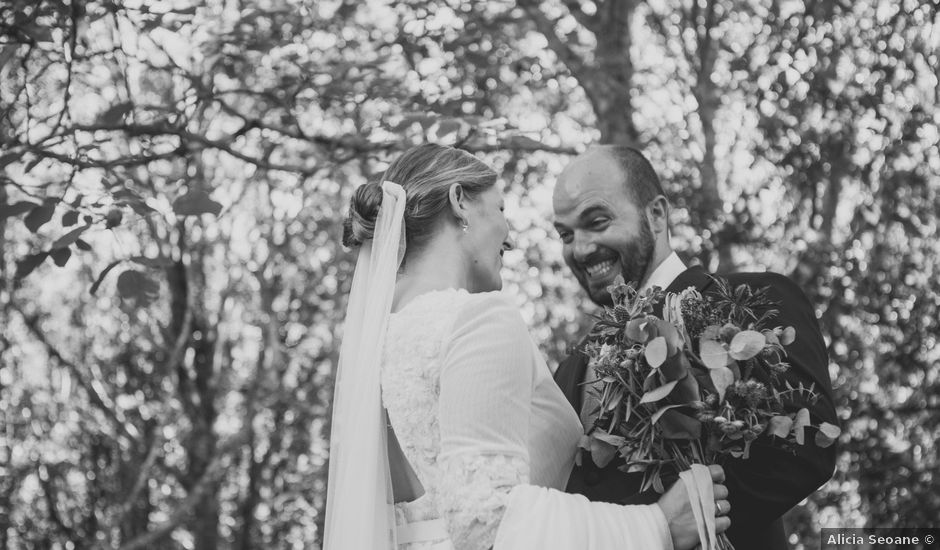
point(600, 269)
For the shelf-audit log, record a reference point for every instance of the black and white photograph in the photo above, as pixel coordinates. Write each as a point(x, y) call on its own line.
point(469, 275)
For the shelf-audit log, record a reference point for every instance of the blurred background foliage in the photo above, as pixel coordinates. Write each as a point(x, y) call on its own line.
point(173, 177)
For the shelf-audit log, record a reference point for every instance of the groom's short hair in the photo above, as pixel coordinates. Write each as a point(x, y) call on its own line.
point(640, 179)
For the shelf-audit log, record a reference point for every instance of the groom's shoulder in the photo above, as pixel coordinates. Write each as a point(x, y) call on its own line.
point(784, 289)
point(762, 278)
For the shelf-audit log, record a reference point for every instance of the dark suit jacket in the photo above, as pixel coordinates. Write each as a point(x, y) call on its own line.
point(763, 487)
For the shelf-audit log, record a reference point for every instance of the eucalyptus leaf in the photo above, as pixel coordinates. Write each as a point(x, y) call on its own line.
point(676, 425)
point(746, 344)
point(771, 337)
point(779, 426)
point(799, 423)
point(658, 483)
point(827, 434)
point(658, 414)
point(713, 354)
point(614, 440)
point(656, 352)
point(602, 452)
point(658, 393)
point(722, 378)
point(637, 330)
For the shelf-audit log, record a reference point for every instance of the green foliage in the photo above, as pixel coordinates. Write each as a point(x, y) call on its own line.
point(208, 149)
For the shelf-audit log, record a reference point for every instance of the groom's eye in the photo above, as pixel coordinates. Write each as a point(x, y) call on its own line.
point(565, 236)
point(600, 223)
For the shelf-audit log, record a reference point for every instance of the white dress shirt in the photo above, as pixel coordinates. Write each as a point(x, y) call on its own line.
point(665, 273)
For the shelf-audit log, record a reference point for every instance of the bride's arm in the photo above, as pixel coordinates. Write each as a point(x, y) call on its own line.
point(485, 406)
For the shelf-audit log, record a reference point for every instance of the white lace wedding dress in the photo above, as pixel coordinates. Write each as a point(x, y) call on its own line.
point(490, 435)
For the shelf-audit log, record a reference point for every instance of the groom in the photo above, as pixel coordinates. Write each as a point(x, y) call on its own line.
point(612, 218)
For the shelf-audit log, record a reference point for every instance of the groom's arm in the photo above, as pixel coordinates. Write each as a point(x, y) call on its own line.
point(773, 480)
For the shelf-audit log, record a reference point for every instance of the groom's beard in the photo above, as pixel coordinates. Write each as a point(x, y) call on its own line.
point(635, 259)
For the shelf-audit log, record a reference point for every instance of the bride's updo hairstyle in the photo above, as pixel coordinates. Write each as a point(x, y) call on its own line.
point(426, 173)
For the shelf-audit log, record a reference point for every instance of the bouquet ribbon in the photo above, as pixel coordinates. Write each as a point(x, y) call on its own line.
point(698, 483)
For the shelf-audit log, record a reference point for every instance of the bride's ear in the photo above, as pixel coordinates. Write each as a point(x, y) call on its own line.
point(458, 202)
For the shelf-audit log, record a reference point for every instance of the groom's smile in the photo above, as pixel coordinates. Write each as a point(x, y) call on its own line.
point(599, 269)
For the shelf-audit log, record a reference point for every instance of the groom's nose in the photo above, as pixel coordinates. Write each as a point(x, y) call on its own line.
point(583, 247)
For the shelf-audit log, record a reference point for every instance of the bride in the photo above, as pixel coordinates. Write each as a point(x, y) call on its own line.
point(483, 439)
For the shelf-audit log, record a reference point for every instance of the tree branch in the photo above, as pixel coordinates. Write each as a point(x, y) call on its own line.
point(98, 398)
point(571, 59)
point(139, 483)
point(183, 510)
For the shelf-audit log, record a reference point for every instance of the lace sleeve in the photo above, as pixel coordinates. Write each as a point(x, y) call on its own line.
point(474, 494)
point(485, 407)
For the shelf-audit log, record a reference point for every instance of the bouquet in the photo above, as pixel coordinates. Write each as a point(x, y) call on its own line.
point(693, 386)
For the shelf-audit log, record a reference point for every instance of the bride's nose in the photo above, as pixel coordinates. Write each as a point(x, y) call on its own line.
point(508, 245)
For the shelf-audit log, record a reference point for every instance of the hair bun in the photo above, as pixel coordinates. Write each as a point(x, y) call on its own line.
point(359, 225)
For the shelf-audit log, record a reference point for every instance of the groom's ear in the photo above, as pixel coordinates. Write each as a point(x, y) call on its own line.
point(657, 212)
point(458, 202)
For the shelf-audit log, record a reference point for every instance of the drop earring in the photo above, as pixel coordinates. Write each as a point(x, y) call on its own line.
point(465, 227)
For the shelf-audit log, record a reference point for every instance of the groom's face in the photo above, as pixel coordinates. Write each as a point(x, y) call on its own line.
point(603, 232)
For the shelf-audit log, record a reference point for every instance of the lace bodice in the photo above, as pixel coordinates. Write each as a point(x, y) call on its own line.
point(475, 410)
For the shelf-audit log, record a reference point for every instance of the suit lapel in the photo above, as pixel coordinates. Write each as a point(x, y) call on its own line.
point(694, 276)
point(570, 374)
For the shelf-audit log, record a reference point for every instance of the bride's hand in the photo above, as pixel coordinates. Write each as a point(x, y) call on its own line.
point(678, 510)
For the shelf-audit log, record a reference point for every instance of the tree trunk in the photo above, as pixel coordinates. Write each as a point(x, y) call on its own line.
point(196, 387)
point(710, 205)
point(205, 441)
point(613, 75)
point(608, 79)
